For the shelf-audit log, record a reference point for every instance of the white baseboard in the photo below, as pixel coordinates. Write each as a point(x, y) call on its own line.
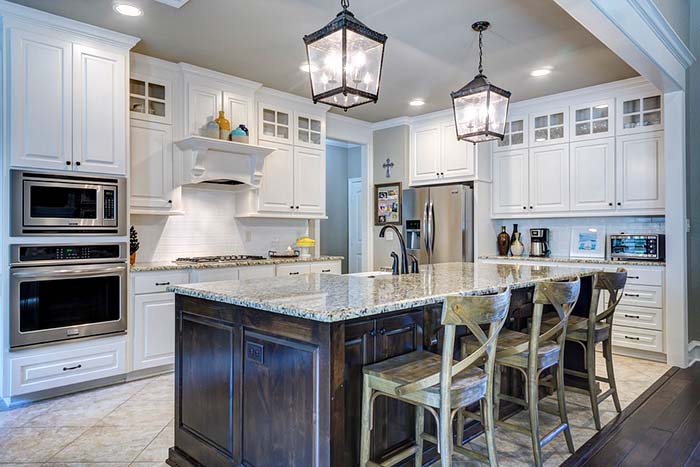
point(693, 352)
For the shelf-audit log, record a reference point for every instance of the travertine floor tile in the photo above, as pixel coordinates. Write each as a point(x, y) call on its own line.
point(107, 444)
point(157, 450)
point(144, 413)
point(33, 444)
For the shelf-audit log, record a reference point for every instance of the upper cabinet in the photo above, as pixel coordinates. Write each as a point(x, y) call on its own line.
point(150, 99)
point(510, 182)
point(592, 120)
point(275, 124)
point(67, 101)
point(549, 127)
point(436, 156)
point(592, 175)
point(152, 189)
point(639, 113)
point(640, 171)
point(310, 131)
point(515, 136)
point(549, 178)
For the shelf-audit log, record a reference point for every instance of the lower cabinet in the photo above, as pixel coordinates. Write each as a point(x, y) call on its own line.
point(293, 269)
point(153, 330)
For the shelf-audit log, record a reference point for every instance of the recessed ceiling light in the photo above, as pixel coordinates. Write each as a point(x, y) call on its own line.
point(541, 72)
point(305, 67)
point(127, 9)
point(416, 103)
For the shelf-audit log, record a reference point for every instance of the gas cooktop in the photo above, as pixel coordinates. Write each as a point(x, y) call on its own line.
point(218, 259)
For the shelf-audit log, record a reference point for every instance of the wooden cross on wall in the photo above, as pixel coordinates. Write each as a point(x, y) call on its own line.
point(388, 165)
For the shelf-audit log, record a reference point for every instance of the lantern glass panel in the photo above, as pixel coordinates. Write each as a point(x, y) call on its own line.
point(498, 107)
point(364, 62)
point(326, 62)
point(471, 113)
point(350, 100)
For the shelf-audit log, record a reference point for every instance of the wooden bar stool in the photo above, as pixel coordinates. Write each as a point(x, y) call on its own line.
point(533, 353)
point(439, 384)
point(597, 328)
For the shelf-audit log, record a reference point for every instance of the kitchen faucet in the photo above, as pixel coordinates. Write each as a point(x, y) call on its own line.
point(404, 255)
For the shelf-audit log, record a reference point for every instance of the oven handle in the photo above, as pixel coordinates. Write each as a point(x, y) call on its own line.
point(78, 271)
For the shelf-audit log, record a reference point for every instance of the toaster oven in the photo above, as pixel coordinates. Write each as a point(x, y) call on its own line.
point(648, 247)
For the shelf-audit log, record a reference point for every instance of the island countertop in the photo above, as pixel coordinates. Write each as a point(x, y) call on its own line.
point(333, 298)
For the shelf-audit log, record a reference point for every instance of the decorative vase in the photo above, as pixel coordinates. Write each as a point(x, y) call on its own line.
point(503, 242)
point(515, 230)
point(212, 130)
point(224, 125)
point(516, 247)
point(239, 134)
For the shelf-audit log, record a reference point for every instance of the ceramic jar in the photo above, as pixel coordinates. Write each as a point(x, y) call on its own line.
point(516, 247)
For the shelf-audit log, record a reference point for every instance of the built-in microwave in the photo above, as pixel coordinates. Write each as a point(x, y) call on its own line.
point(648, 247)
point(66, 204)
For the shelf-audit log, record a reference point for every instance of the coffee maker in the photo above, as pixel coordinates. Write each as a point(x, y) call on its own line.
point(539, 242)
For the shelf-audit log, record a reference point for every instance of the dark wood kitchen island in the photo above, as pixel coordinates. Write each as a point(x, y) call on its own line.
point(268, 372)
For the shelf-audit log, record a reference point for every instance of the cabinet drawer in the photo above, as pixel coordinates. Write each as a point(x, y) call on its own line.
point(645, 276)
point(256, 272)
point(642, 295)
point(642, 339)
point(215, 274)
point(292, 269)
point(51, 368)
point(158, 281)
point(331, 267)
point(639, 317)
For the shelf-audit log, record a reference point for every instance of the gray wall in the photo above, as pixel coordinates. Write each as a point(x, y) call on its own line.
point(693, 174)
point(389, 143)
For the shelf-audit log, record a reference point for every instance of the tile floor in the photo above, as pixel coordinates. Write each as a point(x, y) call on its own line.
point(131, 424)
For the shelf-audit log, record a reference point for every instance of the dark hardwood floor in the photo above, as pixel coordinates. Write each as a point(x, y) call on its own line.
point(660, 428)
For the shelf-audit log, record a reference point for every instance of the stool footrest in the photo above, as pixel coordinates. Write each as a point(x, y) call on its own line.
point(553, 434)
point(605, 395)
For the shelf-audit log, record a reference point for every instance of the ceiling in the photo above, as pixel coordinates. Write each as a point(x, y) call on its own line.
point(431, 49)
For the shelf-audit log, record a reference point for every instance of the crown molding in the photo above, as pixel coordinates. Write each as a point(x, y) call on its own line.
point(187, 68)
point(14, 12)
point(392, 122)
point(348, 120)
point(285, 96)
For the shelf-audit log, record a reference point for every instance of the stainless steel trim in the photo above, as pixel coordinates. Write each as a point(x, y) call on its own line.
point(431, 216)
point(15, 261)
point(425, 229)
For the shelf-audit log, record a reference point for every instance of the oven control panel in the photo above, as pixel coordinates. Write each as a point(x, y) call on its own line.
point(36, 254)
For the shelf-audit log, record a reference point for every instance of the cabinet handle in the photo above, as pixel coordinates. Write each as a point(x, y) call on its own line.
point(325, 270)
point(170, 201)
point(162, 283)
point(530, 207)
point(632, 338)
point(610, 204)
point(77, 163)
point(291, 207)
point(437, 174)
point(631, 295)
point(525, 207)
point(68, 162)
point(373, 333)
point(619, 204)
point(631, 316)
point(632, 277)
point(69, 368)
point(382, 331)
point(294, 273)
point(297, 207)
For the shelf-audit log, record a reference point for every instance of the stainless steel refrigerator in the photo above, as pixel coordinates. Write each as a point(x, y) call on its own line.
point(438, 223)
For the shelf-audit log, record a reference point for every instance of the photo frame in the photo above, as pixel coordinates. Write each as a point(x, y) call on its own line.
point(387, 204)
point(587, 242)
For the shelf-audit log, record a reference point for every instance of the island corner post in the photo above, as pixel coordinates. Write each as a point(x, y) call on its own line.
point(258, 388)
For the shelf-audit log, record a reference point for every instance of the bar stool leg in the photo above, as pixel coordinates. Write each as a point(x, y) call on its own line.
point(592, 384)
point(459, 432)
point(366, 434)
point(563, 414)
point(533, 399)
point(489, 425)
point(420, 425)
point(496, 391)
point(607, 354)
point(445, 438)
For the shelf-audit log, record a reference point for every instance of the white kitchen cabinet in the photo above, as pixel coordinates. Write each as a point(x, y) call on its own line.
point(99, 110)
point(239, 110)
point(275, 124)
point(425, 154)
point(158, 281)
point(515, 134)
point(310, 131)
point(510, 182)
point(204, 102)
point(256, 272)
point(40, 97)
point(592, 120)
point(436, 156)
point(549, 127)
point(640, 171)
point(309, 181)
point(277, 184)
point(150, 98)
point(152, 188)
point(592, 175)
point(214, 274)
point(549, 178)
point(457, 157)
point(153, 330)
point(293, 269)
point(639, 113)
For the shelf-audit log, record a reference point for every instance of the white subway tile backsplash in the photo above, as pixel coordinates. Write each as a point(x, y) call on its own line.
point(209, 227)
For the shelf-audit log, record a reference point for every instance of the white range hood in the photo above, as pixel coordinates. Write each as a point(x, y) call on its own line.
point(208, 160)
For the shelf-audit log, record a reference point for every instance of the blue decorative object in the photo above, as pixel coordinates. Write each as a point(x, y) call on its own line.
point(240, 134)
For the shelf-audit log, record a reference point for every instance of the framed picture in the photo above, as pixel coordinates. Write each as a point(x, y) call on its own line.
point(588, 242)
point(387, 203)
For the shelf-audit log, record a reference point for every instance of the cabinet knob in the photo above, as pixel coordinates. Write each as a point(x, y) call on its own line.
point(437, 174)
point(297, 207)
point(170, 201)
point(77, 163)
point(530, 207)
point(68, 162)
point(524, 207)
point(610, 204)
point(373, 333)
point(382, 331)
point(291, 207)
point(619, 204)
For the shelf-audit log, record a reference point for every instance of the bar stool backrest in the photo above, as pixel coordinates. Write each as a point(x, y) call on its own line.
point(612, 282)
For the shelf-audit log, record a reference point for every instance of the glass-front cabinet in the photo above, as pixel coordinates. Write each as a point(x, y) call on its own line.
point(639, 113)
point(592, 120)
point(310, 131)
point(515, 135)
point(550, 127)
point(275, 124)
point(150, 100)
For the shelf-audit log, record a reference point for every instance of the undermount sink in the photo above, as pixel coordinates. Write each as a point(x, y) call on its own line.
point(370, 274)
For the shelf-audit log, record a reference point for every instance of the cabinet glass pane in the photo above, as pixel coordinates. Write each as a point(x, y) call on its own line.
point(632, 106)
point(541, 135)
point(269, 116)
point(652, 103)
point(304, 123)
point(268, 129)
point(282, 132)
point(137, 87)
point(304, 136)
point(583, 114)
point(282, 118)
point(516, 138)
point(652, 118)
point(556, 132)
point(156, 90)
point(504, 142)
point(316, 125)
point(600, 111)
point(516, 125)
point(540, 122)
point(316, 138)
point(600, 126)
point(137, 104)
point(630, 121)
point(156, 108)
point(556, 119)
point(583, 129)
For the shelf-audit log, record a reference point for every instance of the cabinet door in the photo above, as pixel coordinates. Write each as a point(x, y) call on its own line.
point(592, 175)
point(593, 120)
point(457, 161)
point(425, 154)
point(277, 185)
point(640, 171)
point(154, 330)
point(275, 124)
point(151, 165)
point(549, 178)
point(150, 99)
point(637, 114)
point(310, 131)
point(99, 111)
point(515, 134)
point(549, 127)
point(330, 267)
point(239, 110)
point(309, 181)
point(256, 272)
point(509, 190)
point(293, 269)
point(203, 105)
point(40, 98)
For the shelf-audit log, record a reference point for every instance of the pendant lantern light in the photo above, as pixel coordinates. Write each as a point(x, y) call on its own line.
point(480, 108)
point(345, 61)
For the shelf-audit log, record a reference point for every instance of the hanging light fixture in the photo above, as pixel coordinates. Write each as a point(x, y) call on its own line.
point(345, 61)
point(480, 108)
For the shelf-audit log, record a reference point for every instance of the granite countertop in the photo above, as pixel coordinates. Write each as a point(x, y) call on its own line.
point(172, 266)
point(332, 298)
point(566, 259)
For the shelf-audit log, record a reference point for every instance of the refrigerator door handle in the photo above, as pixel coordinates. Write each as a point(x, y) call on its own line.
point(426, 229)
point(432, 227)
